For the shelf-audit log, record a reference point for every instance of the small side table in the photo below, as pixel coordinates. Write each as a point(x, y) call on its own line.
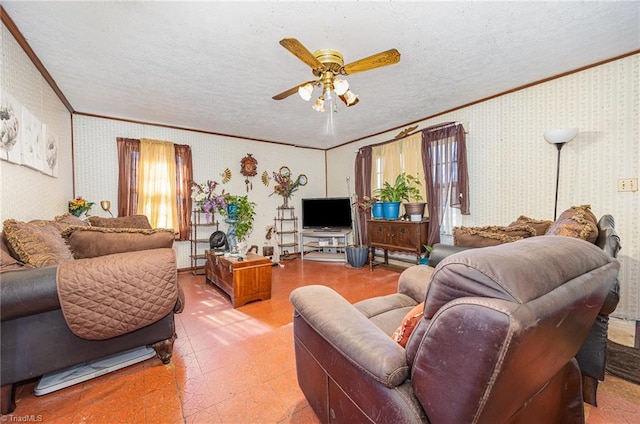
point(244, 281)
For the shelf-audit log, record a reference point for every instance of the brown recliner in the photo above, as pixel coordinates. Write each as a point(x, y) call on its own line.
point(497, 342)
point(592, 357)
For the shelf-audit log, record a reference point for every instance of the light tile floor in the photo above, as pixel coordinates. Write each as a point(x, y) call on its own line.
point(237, 365)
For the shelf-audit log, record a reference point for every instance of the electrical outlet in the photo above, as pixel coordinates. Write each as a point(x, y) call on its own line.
point(628, 184)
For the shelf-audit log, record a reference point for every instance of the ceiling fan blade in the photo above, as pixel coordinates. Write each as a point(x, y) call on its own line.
point(385, 58)
point(291, 91)
point(301, 52)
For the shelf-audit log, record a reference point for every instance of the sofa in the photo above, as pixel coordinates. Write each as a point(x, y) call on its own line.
point(576, 221)
point(71, 293)
point(490, 336)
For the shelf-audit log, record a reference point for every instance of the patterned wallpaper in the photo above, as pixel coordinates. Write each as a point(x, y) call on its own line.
point(513, 169)
point(97, 168)
point(26, 193)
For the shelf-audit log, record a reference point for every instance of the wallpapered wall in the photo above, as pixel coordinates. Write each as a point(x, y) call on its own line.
point(28, 194)
point(512, 169)
point(96, 164)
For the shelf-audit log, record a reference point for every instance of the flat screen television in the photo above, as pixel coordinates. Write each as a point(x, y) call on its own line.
point(328, 213)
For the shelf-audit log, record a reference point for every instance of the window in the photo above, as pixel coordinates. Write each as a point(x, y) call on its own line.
point(391, 159)
point(445, 158)
point(155, 180)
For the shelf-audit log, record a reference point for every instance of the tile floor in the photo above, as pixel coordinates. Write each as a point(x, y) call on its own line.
point(237, 365)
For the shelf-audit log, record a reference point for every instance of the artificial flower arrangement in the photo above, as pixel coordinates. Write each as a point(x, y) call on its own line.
point(285, 186)
point(206, 199)
point(79, 205)
point(366, 203)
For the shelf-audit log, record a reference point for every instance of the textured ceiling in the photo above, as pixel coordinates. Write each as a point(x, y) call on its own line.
point(214, 66)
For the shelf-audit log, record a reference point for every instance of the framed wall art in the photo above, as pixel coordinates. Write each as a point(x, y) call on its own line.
point(10, 123)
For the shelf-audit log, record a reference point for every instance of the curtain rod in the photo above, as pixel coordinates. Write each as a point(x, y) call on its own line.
point(431, 128)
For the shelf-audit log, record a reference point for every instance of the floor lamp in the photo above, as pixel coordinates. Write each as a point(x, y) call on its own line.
point(559, 138)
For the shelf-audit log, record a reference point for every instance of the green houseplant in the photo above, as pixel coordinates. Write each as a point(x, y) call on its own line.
point(240, 209)
point(414, 206)
point(404, 188)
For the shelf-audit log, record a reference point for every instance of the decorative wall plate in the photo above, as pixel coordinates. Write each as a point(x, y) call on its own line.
point(302, 180)
point(265, 178)
point(226, 176)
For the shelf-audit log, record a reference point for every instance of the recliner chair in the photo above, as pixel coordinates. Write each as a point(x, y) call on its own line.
point(497, 342)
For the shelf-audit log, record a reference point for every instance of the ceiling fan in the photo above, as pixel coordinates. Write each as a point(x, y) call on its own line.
point(327, 65)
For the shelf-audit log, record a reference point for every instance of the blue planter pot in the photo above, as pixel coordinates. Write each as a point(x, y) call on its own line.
point(391, 210)
point(377, 210)
point(357, 256)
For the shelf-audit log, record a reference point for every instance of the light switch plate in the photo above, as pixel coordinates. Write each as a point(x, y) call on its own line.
point(628, 184)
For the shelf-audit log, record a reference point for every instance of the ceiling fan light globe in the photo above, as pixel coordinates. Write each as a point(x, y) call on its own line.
point(319, 105)
point(305, 91)
point(349, 98)
point(340, 86)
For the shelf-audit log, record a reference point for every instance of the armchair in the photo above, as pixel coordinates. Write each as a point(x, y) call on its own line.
point(496, 343)
point(592, 355)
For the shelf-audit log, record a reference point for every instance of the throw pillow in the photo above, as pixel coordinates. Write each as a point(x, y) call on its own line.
point(8, 262)
point(67, 220)
point(490, 235)
point(132, 221)
point(402, 333)
point(541, 226)
point(578, 222)
point(89, 242)
point(36, 243)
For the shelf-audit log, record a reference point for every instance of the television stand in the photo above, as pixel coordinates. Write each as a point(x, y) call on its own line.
point(324, 245)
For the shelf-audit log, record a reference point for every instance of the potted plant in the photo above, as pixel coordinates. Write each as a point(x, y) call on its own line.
point(241, 212)
point(427, 251)
point(404, 187)
point(357, 254)
point(414, 206)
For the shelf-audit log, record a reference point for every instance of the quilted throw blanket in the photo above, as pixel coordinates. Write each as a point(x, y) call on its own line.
point(111, 295)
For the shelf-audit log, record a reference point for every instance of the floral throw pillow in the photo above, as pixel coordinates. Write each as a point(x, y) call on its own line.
point(578, 222)
point(402, 333)
point(36, 243)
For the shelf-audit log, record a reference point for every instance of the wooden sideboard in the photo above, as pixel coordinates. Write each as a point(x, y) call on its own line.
point(399, 236)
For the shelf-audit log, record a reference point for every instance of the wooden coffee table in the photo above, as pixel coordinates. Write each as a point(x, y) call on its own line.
point(244, 281)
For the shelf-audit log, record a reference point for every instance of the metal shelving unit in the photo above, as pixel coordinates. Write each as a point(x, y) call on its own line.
point(286, 224)
point(201, 230)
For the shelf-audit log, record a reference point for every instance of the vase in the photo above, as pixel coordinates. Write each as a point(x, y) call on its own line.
point(377, 210)
point(285, 203)
point(357, 256)
point(391, 210)
point(232, 211)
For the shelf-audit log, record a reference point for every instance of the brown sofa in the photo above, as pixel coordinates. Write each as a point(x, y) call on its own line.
point(496, 342)
point(41, 330)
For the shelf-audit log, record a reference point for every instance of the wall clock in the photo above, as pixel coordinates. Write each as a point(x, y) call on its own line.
point(249, 168)
point(284, 171)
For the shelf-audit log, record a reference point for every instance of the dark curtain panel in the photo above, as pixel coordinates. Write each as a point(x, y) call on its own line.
point(128, 154)
point(184, 178)
point(363, 188)
point(444, 157)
